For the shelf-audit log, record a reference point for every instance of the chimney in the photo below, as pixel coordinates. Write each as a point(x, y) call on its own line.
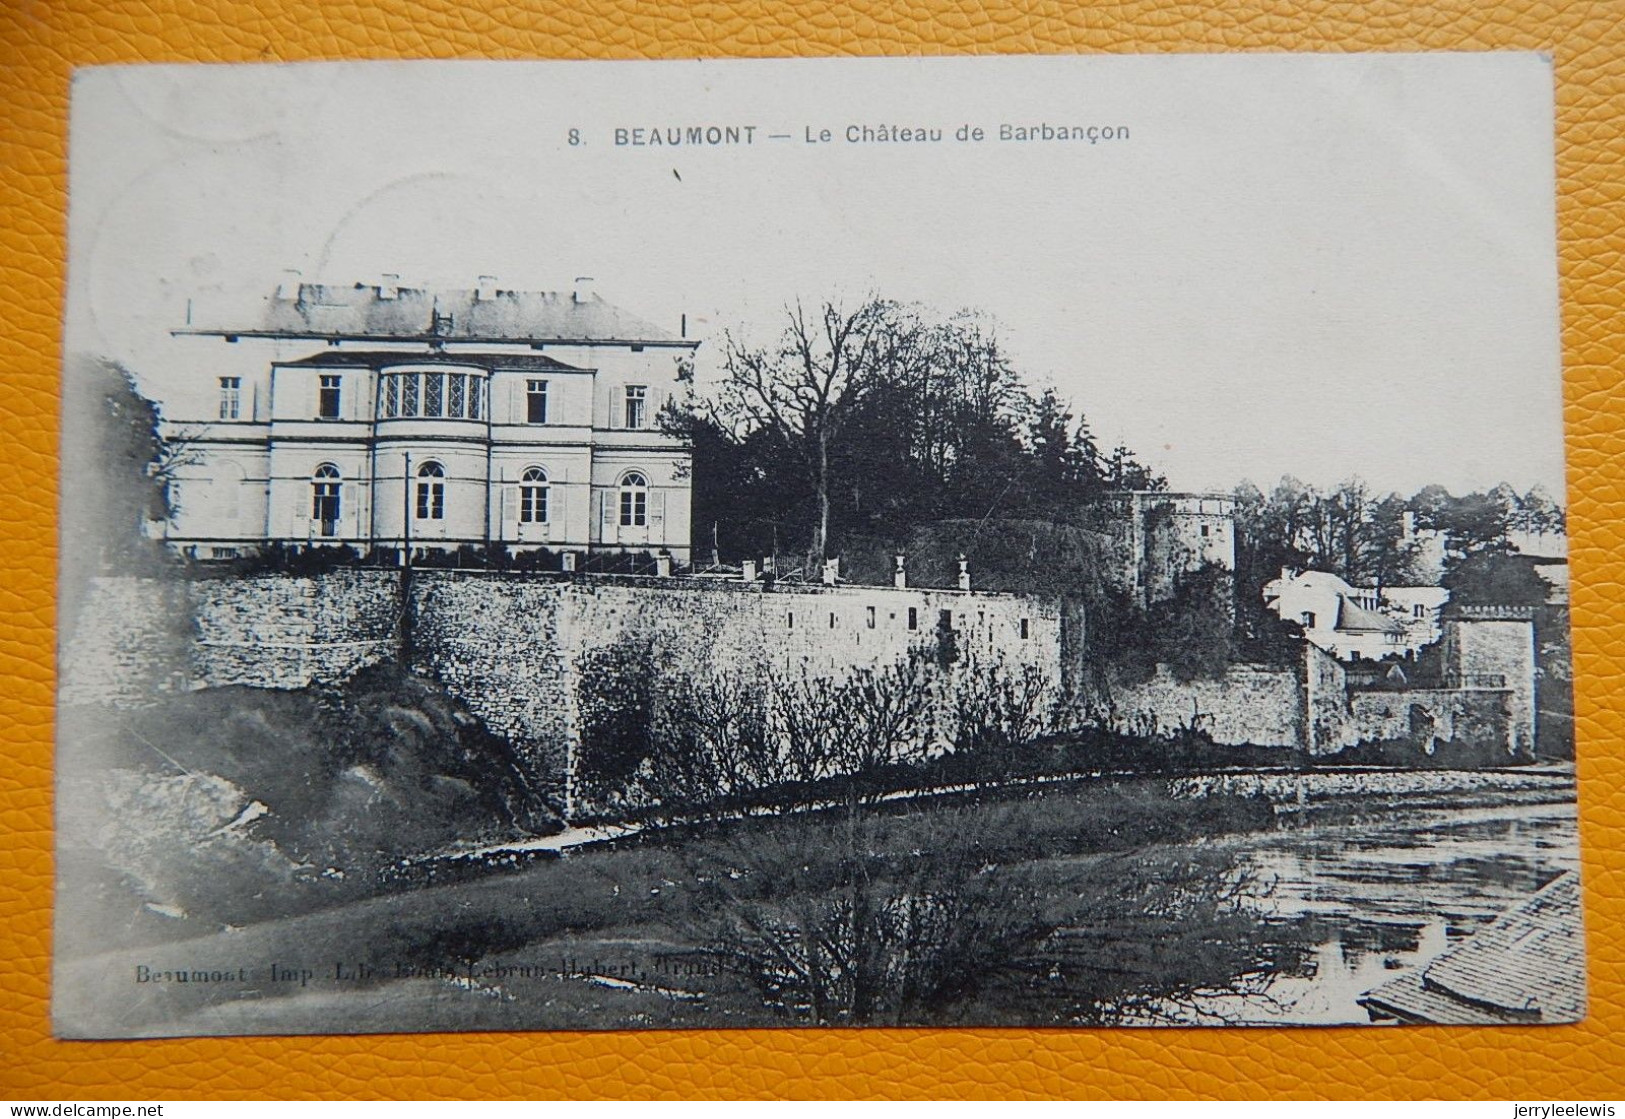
point(747, 571)
point(288, 289)
point(487, 290)
point(1408, 523)
point(389, 286)
point(663, 564)
point(583, 292)
point(899, 573)
point(964, 573)
point(832, 572)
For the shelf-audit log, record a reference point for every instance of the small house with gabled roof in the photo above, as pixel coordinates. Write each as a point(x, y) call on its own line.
point(1357, 623)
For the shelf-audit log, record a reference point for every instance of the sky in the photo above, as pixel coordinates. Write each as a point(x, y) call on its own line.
point(1318, 265)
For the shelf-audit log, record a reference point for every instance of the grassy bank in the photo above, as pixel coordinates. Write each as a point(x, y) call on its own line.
point(988, 909)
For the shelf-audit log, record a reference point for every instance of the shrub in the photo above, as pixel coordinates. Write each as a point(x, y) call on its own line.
point(998, 714)
point(946, 913)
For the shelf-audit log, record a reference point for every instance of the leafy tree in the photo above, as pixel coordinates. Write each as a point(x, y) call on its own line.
point(1432, 505)
point(1065, 460)
point(1474, 523)
point(1348, 514)
point(1539, 512)
point(1287, 517)
point(1125, 472)
point(121, 470)
point(1390, 554)
point(111, 443)
point(1191, 630)
point(1494, 578)
point(740, 490)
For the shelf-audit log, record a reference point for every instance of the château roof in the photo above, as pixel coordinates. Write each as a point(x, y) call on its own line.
point(406, 314)
point(1352, 618)
point(376, 359)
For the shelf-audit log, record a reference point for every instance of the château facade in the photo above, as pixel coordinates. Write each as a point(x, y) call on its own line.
point(436, 419)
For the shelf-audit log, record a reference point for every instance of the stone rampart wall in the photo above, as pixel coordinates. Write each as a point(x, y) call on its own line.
point(138, 639)
point(1430, 716)
point(514, 647)
point(1254, 705)
point(1331, 724)
point(131, 644)
point(276, 631)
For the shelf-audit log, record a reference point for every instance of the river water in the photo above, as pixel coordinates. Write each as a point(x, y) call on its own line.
point(1365, 901)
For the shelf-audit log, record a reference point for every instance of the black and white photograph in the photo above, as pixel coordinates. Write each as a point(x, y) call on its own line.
point(1043, 542)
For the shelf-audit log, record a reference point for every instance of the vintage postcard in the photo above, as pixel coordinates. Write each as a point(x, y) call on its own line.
point(999, 541)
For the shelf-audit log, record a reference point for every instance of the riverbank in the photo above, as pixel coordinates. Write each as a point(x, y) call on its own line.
point(656, 930)
point(1292, 791)
point(1287, 790)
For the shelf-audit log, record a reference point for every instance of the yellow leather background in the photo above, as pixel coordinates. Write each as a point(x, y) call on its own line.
point(40, 44)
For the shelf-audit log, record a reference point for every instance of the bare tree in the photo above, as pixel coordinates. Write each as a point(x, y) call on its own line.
point(806, 717)
point(867, 919)
point(711, 742)
point(807, 387)
point(1348, 512)
point(883, 719)
point(709, 747)
point(998, 713)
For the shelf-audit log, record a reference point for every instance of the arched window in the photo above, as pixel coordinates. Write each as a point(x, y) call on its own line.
point(533, 496)
point(324, 499)
point(634, 501)
point(431, 492)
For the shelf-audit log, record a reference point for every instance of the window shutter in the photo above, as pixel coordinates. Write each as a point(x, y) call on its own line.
point(510, 509)
point(657, 516)
point(496, 504)
point(606, 517)
point(514, 404)
point(347, 509)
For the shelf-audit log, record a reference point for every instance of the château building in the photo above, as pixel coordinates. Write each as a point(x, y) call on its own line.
point(435, 419)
